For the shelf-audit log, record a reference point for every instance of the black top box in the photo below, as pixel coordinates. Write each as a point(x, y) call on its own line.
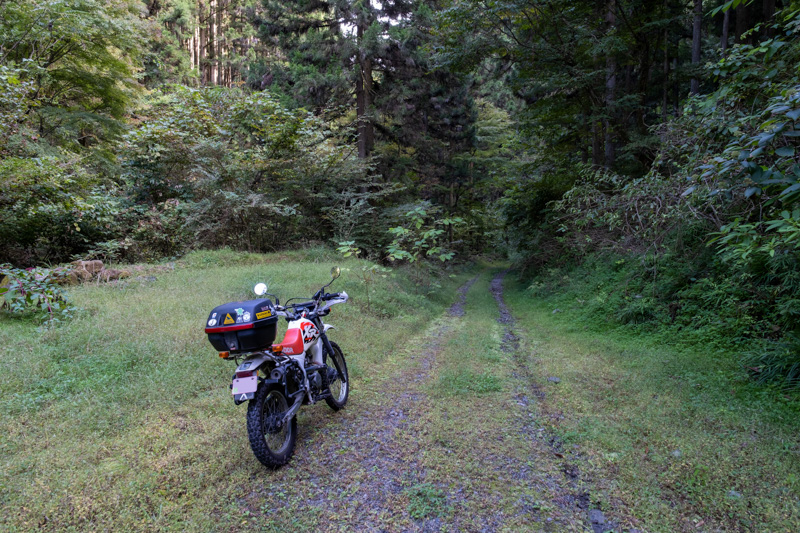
point(242, 326)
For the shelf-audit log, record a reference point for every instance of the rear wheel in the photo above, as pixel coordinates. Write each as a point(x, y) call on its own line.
point(271, 439)
point(340, 390)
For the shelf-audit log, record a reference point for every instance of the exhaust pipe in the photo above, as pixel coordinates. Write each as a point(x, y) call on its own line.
point(293, 409)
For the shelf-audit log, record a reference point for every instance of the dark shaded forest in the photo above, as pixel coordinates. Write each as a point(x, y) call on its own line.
point(648, 148)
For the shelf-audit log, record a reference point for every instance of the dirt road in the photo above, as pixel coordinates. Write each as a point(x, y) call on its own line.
point(444, 437)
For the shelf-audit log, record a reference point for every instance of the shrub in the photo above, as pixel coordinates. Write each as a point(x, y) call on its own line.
point(34, 291)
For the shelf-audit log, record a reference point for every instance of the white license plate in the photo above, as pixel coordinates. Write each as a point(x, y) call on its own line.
point(244, 385)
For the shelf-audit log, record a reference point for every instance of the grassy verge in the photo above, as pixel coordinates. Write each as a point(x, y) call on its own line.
point(122, 420)
point(683, 438)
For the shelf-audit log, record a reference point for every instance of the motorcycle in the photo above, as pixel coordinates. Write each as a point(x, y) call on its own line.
point(277, 379)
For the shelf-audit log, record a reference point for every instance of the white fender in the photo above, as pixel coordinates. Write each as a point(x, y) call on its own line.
point(326, 327)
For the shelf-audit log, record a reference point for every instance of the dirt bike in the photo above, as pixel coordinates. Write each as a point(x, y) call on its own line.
point(277, 379)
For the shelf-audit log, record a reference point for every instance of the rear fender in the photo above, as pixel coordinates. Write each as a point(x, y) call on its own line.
point(251, 364)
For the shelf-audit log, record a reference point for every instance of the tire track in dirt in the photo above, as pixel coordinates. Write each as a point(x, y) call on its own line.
point(570, 494)
point(393, 461)
point(358, 468)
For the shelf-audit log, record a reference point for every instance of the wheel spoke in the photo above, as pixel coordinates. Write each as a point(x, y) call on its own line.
point(276, 434)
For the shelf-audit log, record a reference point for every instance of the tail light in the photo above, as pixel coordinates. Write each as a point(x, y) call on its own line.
point(245, 374)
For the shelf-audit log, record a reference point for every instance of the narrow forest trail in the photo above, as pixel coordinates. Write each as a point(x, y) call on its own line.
point(444, 437)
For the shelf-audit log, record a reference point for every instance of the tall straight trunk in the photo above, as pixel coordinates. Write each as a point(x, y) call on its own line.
point(611, 89)
point(196, 46)
point(364, 87)
point(723, 40)
point(769, 16)
point(220, 43)
point(665, 81)
point(212, 43)
point(596, 150)
point(203, 43)
point(696, 28)
point(584, 145)
point(741, 21)
point(675, 89)
point(645, 72)
point(665, 69)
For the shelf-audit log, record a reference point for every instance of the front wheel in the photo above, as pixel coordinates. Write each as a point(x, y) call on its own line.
point(271, 439)
point(340, 390)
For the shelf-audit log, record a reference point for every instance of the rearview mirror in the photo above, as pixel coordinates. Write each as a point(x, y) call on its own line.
point(260, 289)
point(335, 272)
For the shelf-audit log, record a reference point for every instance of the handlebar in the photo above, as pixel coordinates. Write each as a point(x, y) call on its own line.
point(290, 311)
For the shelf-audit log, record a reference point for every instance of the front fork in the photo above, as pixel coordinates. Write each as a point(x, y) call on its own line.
point(328, 349)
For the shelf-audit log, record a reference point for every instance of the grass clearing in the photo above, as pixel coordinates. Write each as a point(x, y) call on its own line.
point(685, 440)
point(122, 419)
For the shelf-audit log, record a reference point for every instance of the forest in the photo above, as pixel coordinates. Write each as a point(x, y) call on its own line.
point(635, 164)
point(655, 140)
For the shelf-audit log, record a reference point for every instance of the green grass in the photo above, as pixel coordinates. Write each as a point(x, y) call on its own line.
point(122, 419)
point(472, 431)
point(682, 433)
point(426, 500)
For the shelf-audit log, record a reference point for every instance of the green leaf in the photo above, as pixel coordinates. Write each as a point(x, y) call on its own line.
point(791, 189)
point(785, 151)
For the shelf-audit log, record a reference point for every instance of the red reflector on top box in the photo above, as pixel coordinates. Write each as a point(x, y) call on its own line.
point(224, 329)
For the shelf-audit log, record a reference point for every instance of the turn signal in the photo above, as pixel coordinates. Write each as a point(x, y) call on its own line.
point(224, 355)
point(277, 348)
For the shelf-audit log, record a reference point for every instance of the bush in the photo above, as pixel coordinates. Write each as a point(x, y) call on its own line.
point(776, 362)
point(224, 167)
point(34, 291)
point(51, 208)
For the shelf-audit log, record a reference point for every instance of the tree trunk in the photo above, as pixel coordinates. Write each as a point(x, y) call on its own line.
point(665, 81)
point(723, 40)
point(696, 28)
point(611, 89)
point(675, 89)
point(212, 43)
point(202, 44)
point(220, 42)
point(364, 88)
point(584, 148)
point(741, 22)
point(769, 16)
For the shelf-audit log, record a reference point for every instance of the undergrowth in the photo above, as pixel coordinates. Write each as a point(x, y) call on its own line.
point(751, 314)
